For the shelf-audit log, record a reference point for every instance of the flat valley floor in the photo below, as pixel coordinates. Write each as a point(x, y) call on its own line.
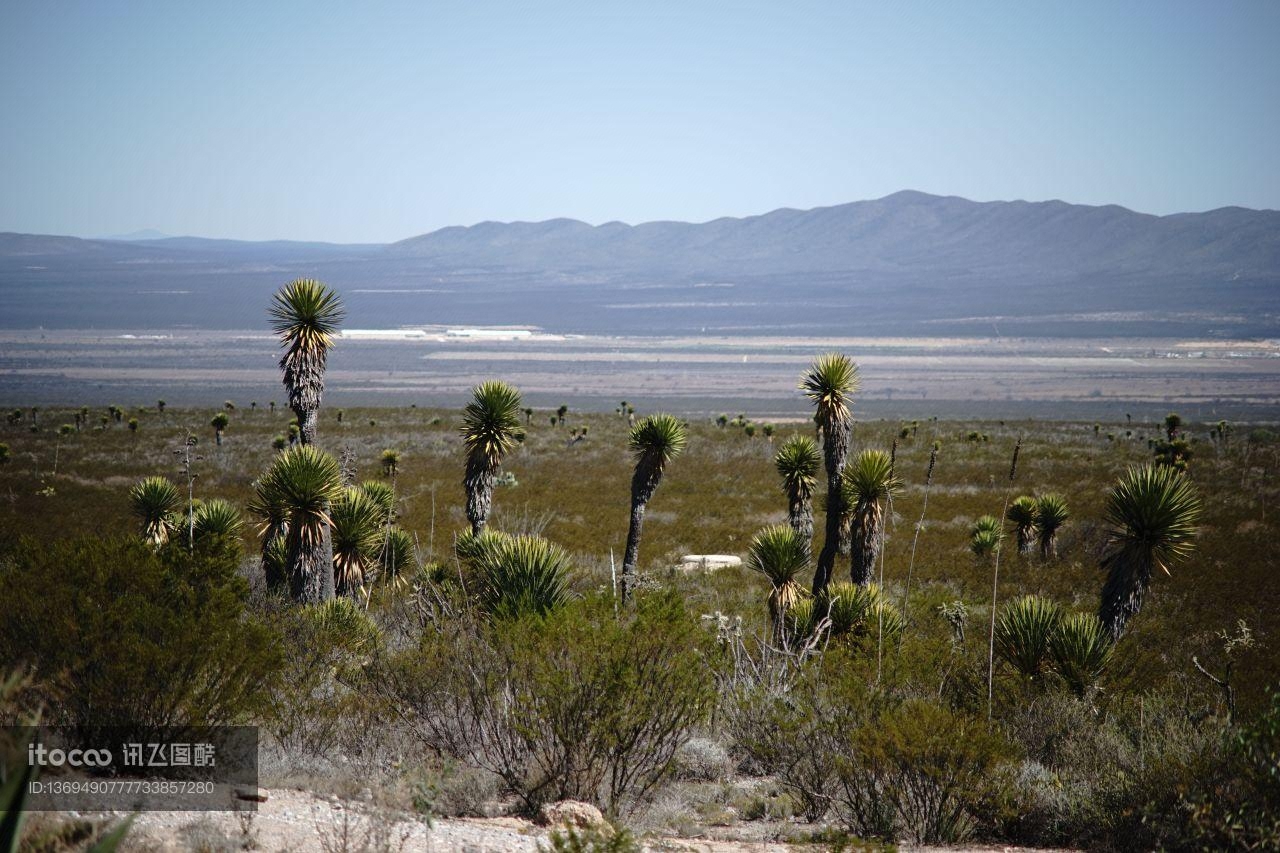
point(917, 377)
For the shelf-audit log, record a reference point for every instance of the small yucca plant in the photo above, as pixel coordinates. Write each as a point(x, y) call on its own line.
point(780, 554)
point(1023, 632)
point(857, 610)
point(867, 483)
point(382, 494)
point(217, 518)
point(1081, 649)
point(295, 496)
point(797, 464)
point(522, 575)
point(398, 558)
point(1152, 512)
point(985, 536)
point(491, 429)
point(390, 462)
point(1022, 514)
point(358, 523)
point(1051, 515)
point(155, 501)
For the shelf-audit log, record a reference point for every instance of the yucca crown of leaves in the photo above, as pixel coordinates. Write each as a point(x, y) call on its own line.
point(870, 478)
point(1081, 649)
point(658, 438)
point(1051, 511)
point(1024, 630)
point(829, 383)
point(491, 422)
point(305, 314)
point(521, 575)
point(797, 464)
point(1023, 512)
point(217, 517)
point(302, 482)
point(1154, 507)
point(779, 553)
point(155, 500)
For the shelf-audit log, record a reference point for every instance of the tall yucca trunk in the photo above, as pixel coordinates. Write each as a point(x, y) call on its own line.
point(835, 450)
point(478, 483)
point(643, 484)
point(311, 568)
point(800, 514)
point(1026, 540)
point(304, 380)
point(1128, 576)
point(867, 519)
point(1049, 545)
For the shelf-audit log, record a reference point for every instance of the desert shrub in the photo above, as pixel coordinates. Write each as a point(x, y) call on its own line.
point(591, 840)
point(573, 704)
point(328, 645)
point(115, 633)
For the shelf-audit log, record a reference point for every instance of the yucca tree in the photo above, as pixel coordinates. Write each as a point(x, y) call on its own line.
point(358, 524)
point(384, 495)
point(520, 575)
point(867, 483)
point(217, 518)
point(1080, 648)
point(1023, 631)
point(654, 442)
point(219, 424)
point(390, 462)
point(155, 501)
point(797, 464)
point(1051, 515)
point(305, 314)
point(830, 384)
point(1023, 515)
point(490, 430)
point(296, 494)
point(1152, 513)
point(781, 554)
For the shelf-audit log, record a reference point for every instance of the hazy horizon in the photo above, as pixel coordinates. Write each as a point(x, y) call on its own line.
point(373, 124)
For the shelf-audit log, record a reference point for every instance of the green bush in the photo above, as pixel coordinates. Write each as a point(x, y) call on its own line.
point(576, 704)
point(114, 633)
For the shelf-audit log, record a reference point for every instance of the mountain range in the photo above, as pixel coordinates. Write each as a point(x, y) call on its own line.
point(918, 256)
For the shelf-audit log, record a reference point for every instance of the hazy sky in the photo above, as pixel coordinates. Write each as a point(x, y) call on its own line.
point(376, 121)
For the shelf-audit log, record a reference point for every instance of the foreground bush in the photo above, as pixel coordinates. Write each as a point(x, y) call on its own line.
point(113, 632)
point(576, 704)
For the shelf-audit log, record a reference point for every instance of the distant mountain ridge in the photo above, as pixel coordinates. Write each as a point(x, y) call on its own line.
point(907, 233)
point(904, 232)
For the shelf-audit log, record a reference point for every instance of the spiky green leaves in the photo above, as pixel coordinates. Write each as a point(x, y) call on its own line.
point(1022, 514)
point(869, 478)
point(985, 536)
point(778, 553)
point(797, 464)
point(1023, 632)
point(1081, 649)
point(1051, 515)
point(217, 519)
point(856, 610)
point(299, 488)
point(516, 575)
point(155, 502)
point(305, 314)
point(491, 422)
point(657, 439)
point(384, 495)
point(358, 522)
point(830, 382)
point(1157, 509)
point(1152, 512)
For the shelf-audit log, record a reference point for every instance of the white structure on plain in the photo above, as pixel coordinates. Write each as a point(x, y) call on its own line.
point(707, 562)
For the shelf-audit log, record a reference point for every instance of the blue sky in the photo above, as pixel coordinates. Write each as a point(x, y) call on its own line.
point(378, 121)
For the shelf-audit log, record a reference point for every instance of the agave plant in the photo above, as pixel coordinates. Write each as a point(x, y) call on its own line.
point(654, 442)
point(305, 314)
point(217, 519)
point(1051, 515)
point(1081, 649)
point(490, 430)
point(857, 610)
point(521, 575)
point(780, 554)
point(1022, 514)
point(1023, 632)
point(830, 384)
point(797, 464)
point(1152, 513)
point(295, 495)
point(358, 523)
point(868, 481)
point(155, 501)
